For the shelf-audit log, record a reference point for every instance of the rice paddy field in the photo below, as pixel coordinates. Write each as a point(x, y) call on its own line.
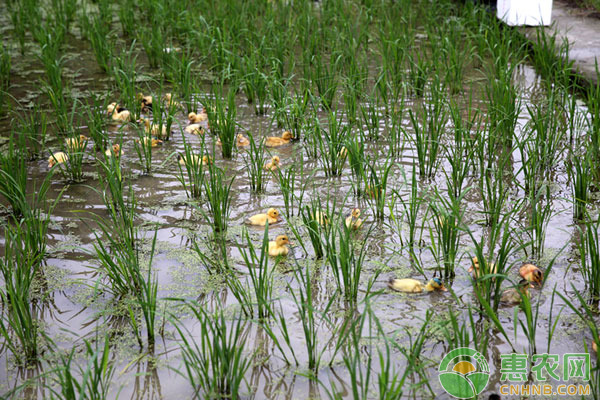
point(406, 139)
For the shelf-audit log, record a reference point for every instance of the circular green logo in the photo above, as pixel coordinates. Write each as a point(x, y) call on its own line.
point(464, 373)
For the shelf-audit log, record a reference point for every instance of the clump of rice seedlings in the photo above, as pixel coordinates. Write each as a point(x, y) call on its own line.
point(33, 125)
point(397, 133)
point(74, 148)
point(143, 149)
point(13, 170)
point(153, 40)
point(278, 94)
point(217, 192)
point(191, 173)
point(331, 144)
point(295, 114)
point(376, 188)
point(163, 112)
point(460, 154)
point(448, 216)
point(255, 82)
point(127, 17)
point(548, 131)
point(411, 215)
point(552, 59)
point(370, 118)
point(357, 159)
point(255, 160)
point(587, 314)
point(19, 19)
point(63, 12)
point(580, 175)
point(457, 50)
point(540, 211)
point(531, 322)
point(102, 45)
point(187, 86)
point(418, 73)
point(222, 119)
point(18, 325)
point(429, 125)
point(92, 380)
point(97, 122)
point(504, 101)
point(493, 188)
point(589, 253)
point(465, 332)
point(124, 75)
point(214, 363)
point(317, 221)
point(323, 75)
point(4, 74)
point(292, 184)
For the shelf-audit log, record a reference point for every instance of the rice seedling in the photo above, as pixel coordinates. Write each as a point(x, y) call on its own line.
point(465, 332)
point(101, 42)
point(292, 183)
point(191, 173)
point(143, 149)
point(127, 17)
point(92, 380)
point(418, 73)
point(590, 256)
point(13, 168)
point(33, 126)
point(214, 363)
point(376, 188)
point(323, 75)
point(278, 94)
point(580, 175)
point(411, 213)
point(222, 119)
point(457, 49)
point(540, 208)
point(370, 118)
point(217, 192)
point(97, 122)
point(331, 144)
point(255, 160)
point(152, 40)
point(505, 103)
point(19, 22)
point(187, 86)
point(256, 82)
point(125, 75)
point(63, 12)
point(318, 221)
point(4, 74)
point(493, 189)
point(295, 115)
point(552, 58)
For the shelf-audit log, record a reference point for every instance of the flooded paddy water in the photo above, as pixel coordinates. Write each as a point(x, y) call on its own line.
point(431, 120)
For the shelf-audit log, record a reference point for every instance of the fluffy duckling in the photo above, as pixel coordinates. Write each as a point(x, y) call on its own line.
point(531, 273)
point(197, 118)
point(160, 131)
point(353, 221)
point(150, 141)
point(76, 144)
point(57, 158)
point(242, 141)
point(272, 216)
point(272, 165)
point(513, 296)
point(278, 247)
point(415, 286)
point(169, 99)
point(321, 218)
point(118, 113)
point(194, 160)
point(475, 268)
point(114, 150)
point(273, 141)
point(194, 129)
point(145, 100)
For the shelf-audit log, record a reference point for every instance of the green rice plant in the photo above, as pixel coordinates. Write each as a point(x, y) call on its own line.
point(552, 59)
point(147, 300)
point(279, 96)
point(376, 189)
point(397, 133)
point(370, 118)
point(127, 17)
point(460, 154)
point(222, 119)
point(418, 73)
point(350, 97)
point(548, 131)
point(580, 175)
point(448, 216)
point(540, 207)
point(163, 114)
point(254, 160)
point(323, 75)
point(4, 68)
point(493, 188)
point(92, 380)
point(465, 332)
point(295, 115)
point(255, 82)
point(355, 149)
point(33, 125)
point(124, 75)
point(317, 221)
point(74, 147)
point(293, 183)
point(97, 122)
point(153, 41)
point(187, 86)
point(217, 192)
point(102, 45)
point(19, 19)
point(331, 144)
point(589, 253)
point(143, 149)
point(59, 101)
point(346, 260)
point(457, 50)
point(531, 322)
point(504, 101)
point(191, 173)
point(63, 12)
point(19, 327)
point(214, 363)
point(411, 213)
point(13, 169)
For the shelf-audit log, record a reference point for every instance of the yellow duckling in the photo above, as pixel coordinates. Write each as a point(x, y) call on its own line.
point(531, 273)
point(242, 141)
point(415, 286)
point(197, 118)
point(76, 144)
point(57, 158)
point(475, 268)
point(194, 160)
point(278, 247)
point(513, 296)
point(272, 216)
point(321, 218)
point(150, 141)
point(194, 129)
point(272, 165)
point(114, 150)
point(118, 113)
point(160, 131)
point(146, 101)
point(169, 99)
point(273, 141)
point(353, 221)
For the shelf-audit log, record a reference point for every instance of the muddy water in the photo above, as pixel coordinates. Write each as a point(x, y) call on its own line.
point(72, 308)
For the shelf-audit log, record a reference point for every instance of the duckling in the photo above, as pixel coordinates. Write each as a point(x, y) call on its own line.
point(195, 129)
point(57, 158)
point(531, 273)
point(76, 144)
point(353, 220)
point(272, 216)
point(321, 218)
point(152, 142)
point(160, 131)
point(272, 165)
point(415, 286)
point(145, 100)
point(197, 118)
point(242, 141)
point(278, 247)
point(194, 159)
point(475, 269)
point(118, 113)
point(513, 296)
point(169, 99)
point(285, 138)
point(114, 150)
point(343, 153)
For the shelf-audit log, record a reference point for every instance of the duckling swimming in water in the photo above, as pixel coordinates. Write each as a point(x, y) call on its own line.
point(531, 273)
point(76, 144)
point(278, 247)
point(475, 268)
point(415, 286)
point(114, 150)
point(513, 296)
point(146, 101)
point(272, 165)
point(152, 142)
point(273, 141)
point(194, 160)
point(57, 158)
point(154, 130)
point(197, 118)
point(169, 99)
point(240, 141)
point(353, 221)
point(118, 113)
point(272, 216)
point(194, 129)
